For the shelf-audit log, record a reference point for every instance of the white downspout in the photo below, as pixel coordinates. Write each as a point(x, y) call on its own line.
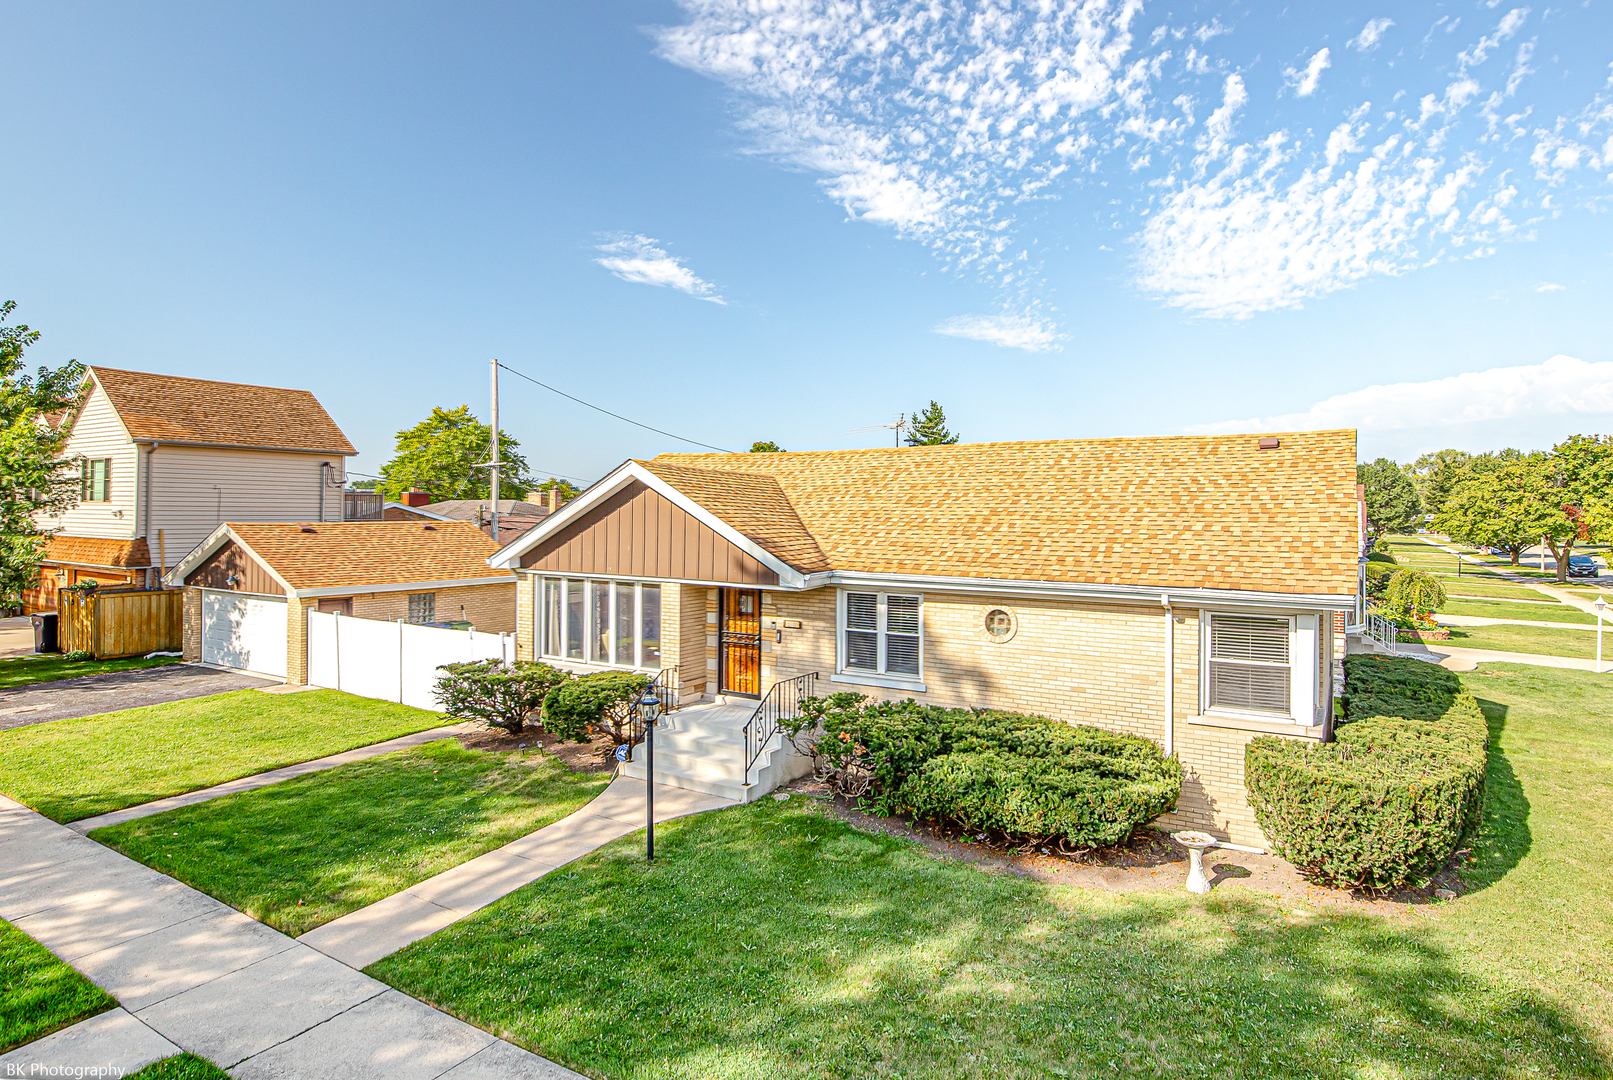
point(1170, 675)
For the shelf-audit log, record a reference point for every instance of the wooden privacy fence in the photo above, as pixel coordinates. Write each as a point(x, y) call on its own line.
point(111, 624)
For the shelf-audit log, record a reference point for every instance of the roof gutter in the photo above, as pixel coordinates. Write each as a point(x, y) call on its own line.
point(402, 586)
point(247, 446)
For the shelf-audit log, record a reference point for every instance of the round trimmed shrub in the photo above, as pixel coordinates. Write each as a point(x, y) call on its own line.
point(598, 702)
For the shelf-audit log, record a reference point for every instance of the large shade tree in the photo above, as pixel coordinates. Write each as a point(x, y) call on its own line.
point(1491, 509)
point(35, 478)
point(1437, 474)
point(1565, 490)
point(446, 454)
point(1391, 498)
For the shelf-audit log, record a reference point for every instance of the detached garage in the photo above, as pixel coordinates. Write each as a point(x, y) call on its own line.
point(249, 587)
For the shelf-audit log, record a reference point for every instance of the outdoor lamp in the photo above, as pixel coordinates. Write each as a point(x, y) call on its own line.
point(648, 705)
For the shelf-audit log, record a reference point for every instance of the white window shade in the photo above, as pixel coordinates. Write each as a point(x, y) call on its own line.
point(1249, 664)
point(881, 634)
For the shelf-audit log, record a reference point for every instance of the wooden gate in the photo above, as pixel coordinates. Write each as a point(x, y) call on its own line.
point(113, 624)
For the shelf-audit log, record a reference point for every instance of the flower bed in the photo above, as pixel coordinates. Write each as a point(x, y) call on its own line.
point(1423, 635)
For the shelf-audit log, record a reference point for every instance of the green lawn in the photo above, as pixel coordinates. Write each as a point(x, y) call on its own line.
point(48, 667)
point(1501, 610)
point(71, 769)
point(1496, 592)
point(309, 850)
point(772, 940)
point(182, 1067)
point(1528, 639)
point(38, 993)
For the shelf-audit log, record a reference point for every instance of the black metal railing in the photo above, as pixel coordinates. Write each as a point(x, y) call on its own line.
point(664, 687)
point(783, 702)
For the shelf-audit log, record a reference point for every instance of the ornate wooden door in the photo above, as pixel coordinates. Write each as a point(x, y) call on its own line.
point(740, 642)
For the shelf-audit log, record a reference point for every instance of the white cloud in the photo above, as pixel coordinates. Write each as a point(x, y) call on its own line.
point(637, 258)
point(1549, 286)
point(1010, 331)
point(1371, 34)
point(1304, 82)
point(1560, 387)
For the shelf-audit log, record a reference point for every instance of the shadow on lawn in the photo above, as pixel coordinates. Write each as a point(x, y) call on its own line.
point(771, 940)
point(1504, 838)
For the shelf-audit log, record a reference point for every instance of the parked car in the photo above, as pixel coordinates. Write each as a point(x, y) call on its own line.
point(1582, 566)
point(1501, 551)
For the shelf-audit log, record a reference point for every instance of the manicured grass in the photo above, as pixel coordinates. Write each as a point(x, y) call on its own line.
point(772, 940)
point(48, 667)
point(182, 1067)
point(71, 769)
point(1527, 639)
point(1541, 914)
point(1496, 592)
point(38, 993)
point(309, 850)
point(1500, 610)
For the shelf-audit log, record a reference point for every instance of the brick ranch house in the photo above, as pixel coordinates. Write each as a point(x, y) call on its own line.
point(249, 587)
point(1190, 590)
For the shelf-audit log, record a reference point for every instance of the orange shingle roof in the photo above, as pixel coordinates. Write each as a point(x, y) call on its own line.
point(173, 409)
point(97, 551)
point(1178, 512)
point(360, 553)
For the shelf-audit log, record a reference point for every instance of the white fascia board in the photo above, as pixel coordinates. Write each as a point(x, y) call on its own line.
point(406, 586)
point(510, 557)
point(1119, 594)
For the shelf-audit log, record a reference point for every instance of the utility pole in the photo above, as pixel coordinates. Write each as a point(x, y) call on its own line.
point(494, 474)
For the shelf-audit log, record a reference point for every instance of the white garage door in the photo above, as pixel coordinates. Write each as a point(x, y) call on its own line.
point(244, 632)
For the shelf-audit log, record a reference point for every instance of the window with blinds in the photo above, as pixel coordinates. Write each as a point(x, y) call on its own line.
point(1249, 663)
point(881, 633)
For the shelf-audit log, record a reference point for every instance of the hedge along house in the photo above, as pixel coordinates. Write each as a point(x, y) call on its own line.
point(1182, 589)
point(249, 587)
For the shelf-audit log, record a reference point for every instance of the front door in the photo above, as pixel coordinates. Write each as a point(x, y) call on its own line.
point(740, 642)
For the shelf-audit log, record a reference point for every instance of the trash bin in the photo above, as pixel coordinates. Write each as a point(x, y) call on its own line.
point(45, 632)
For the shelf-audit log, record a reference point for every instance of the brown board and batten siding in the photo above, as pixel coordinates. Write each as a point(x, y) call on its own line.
point(252, 577)
point(637, 533)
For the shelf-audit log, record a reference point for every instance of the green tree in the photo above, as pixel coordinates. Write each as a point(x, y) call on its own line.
point(1436, 475)
point(1563, 492)
point(1490, 508)
point(568, 490)
point(35, 479)
point(929, 428)
point(446, 455)
point(766, 448)
point(1392, 503)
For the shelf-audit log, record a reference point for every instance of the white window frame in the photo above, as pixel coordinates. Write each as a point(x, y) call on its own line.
point(619, 590)
point(881, 677)
point(1304, 707)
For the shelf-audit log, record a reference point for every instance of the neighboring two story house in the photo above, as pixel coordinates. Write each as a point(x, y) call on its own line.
point(165, 460)
point(1189, 590)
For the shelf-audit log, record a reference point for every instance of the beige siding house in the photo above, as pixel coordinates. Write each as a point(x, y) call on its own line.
point(1183, 589)
point(165, 460)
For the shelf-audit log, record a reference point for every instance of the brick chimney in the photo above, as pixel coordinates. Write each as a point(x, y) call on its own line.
point(416, 498)
point(554, 498)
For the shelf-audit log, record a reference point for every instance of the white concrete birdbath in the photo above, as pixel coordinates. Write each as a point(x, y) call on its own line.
point(1196, 844)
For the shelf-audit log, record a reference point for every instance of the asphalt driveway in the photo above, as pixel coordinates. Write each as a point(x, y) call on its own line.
point(94, 694)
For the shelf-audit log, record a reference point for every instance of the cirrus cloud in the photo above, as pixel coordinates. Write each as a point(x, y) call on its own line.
point(639, 259)
point(1010, 331)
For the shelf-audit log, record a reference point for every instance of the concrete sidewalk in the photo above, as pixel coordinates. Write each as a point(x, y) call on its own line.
point(1468, 659)
point(362, 937)
point(1483, 620)
point(273, 776)
point(198, 975)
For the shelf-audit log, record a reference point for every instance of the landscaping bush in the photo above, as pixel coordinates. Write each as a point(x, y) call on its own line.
point(1413, 593)
point(502, 694)
point(1028, 777)
point(1391, 799)
point(601, 702)
point(1378, 575)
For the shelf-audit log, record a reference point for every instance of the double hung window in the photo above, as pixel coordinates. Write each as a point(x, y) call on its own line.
point(95, 480)
point(881, 633)
point(612, 623)
point(1249, 664)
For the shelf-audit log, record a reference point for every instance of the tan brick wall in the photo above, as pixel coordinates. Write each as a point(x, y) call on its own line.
point(1079, 662)
point(191, 640)
point(526, 597)
point(490, 608)
point(297, 639)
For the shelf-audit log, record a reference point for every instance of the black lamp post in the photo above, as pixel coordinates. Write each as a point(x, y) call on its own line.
point(649, 706)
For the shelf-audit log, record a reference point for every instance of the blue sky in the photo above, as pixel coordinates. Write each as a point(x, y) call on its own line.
point(791, 221)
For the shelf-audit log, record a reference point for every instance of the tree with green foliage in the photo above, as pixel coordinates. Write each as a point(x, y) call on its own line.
point(35, 478)
point(929, 428)
point(447, 453)
point(1436, 475)
point(766, 448)
point(568, 490)
point(1391, 497)
point(1413, 593)
point(1563, 491)
point(1490, 509)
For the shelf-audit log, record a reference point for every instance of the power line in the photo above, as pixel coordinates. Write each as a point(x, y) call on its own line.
point(618, 416)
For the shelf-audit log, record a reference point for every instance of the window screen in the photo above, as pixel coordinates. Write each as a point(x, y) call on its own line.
point(902, 635)
point(862, 631)
point(881, 633)
point(1249, 667)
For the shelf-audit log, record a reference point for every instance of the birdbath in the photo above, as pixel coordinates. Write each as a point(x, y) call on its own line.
point(1196, 843)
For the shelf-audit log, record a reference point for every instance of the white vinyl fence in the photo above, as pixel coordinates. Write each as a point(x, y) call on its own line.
point(393, 661)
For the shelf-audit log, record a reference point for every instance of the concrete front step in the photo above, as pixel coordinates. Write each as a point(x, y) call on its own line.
point(702, 748)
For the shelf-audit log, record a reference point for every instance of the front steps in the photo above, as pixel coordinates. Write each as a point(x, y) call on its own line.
point(702, 748)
